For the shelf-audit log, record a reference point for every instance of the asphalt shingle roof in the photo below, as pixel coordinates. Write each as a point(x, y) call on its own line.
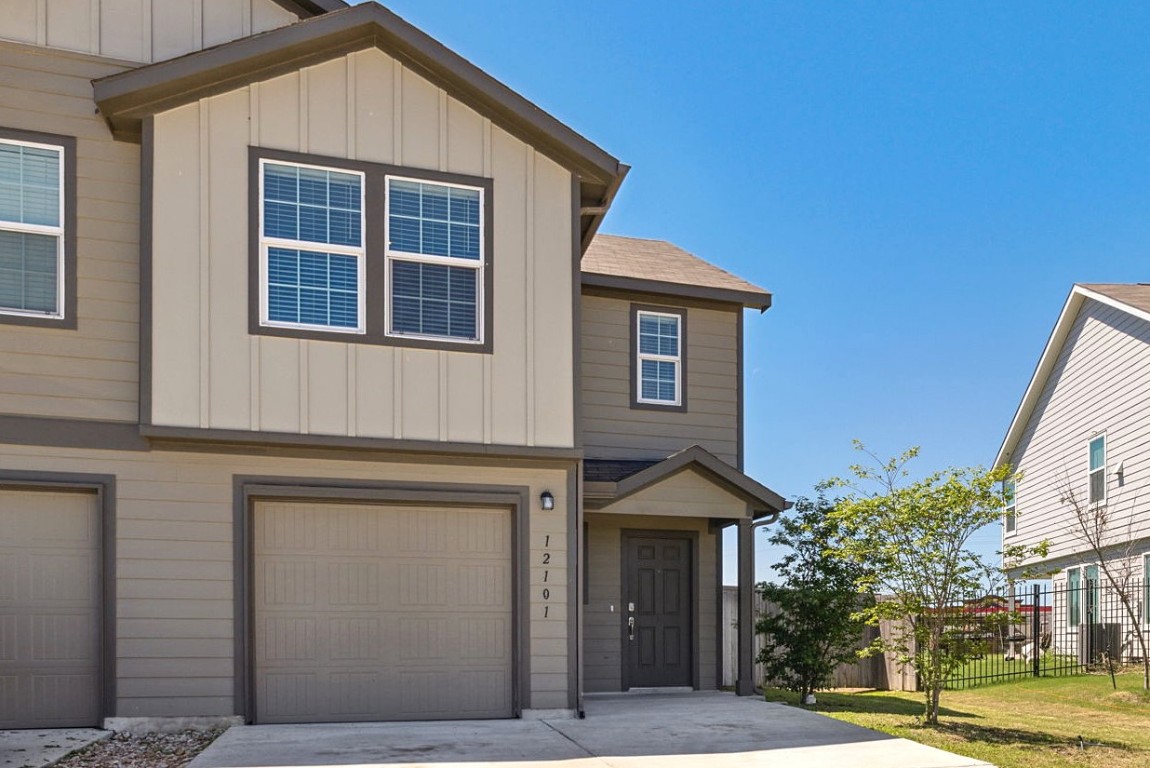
point(1136, 295)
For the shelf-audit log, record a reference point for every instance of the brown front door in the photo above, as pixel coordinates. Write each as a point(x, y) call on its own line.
point(657, 610)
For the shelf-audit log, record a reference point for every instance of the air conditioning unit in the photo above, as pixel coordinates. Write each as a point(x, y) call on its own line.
point(1094, 640)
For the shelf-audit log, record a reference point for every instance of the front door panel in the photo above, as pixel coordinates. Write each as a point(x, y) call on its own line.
point(657, 611)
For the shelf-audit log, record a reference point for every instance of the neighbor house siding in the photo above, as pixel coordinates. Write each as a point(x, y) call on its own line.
point(175, 564)
point(137, 30)
point(605, 612)
point(613, 429)
point(208, 370)
point(91, 371)
point(1099, 383)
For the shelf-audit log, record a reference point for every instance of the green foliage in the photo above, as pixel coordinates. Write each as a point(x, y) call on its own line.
point(814, 628)
point(913, 536)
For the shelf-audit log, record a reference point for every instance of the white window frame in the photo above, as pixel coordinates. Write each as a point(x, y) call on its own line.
point(58, 232)
point(677, 359)
point(479, 265)
point(359, 252)
point(1010, 507)
point(1100, 470)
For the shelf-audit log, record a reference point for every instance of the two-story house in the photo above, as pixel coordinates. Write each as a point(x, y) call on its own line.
point(1080, 439)
point(320, 397)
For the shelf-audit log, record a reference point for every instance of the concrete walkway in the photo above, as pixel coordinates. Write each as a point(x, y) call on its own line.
point(716, 730)
point(35, 748)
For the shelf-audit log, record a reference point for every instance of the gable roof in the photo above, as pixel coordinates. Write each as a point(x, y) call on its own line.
point(1132, 298)
point(126, 98)
point(696, 458)
point(657, 266)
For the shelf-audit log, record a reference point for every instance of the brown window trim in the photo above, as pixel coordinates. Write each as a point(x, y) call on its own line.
point(374, 289)
point(633, 351)
point(68, 144)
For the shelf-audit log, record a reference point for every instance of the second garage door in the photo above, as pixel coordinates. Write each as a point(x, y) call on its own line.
point(373, 612)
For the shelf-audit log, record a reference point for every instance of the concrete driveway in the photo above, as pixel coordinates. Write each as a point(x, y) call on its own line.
point(717, 730)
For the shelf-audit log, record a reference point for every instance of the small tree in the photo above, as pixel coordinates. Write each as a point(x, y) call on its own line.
point(914, 539)
point(812, 627)
point(1095, 525)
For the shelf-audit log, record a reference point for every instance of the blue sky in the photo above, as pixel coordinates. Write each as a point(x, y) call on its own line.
point(919, 184)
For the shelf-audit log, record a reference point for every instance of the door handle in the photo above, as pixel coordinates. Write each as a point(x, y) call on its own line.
point(631, 628)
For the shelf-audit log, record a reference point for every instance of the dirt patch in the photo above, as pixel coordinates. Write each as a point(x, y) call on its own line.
point(122, 750)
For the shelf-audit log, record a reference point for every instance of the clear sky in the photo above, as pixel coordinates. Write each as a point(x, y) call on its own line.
point(919, 184)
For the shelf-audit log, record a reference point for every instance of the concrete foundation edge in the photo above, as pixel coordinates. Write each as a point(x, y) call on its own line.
point(139, 725)
point(548, 714)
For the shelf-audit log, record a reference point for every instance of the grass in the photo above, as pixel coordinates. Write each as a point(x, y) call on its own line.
point(994, 665)
point(1034, 723)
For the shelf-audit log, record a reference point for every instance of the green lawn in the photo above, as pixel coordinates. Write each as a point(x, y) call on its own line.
point(993, 665)
point(1034, 723)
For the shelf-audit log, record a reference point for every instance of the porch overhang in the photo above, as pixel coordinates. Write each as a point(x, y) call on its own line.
point(608, 482)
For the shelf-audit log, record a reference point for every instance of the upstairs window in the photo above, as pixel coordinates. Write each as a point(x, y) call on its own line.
point(312, 254)
point(32, 230)
point(1009, 505)
point(435, 255)
point(659, 358)
point(1097, 472)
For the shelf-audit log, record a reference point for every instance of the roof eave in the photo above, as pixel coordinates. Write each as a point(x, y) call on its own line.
point(1050, 353)
point(751, 299)
point(125, 98)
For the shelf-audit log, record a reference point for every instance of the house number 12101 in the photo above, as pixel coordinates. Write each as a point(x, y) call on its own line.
point(546, 561)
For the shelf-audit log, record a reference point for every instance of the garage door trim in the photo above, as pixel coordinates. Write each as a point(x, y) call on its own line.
point(104, 488)
point(249, 490)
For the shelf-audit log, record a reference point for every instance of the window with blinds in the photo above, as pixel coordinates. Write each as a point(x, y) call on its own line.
point(1097, 471)
point(31, 229)
point(659, 358)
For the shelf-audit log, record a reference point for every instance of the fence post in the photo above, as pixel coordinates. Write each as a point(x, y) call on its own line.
point(1036, 629)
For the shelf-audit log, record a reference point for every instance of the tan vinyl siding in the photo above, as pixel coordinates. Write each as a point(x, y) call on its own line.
point(603, 627)
point(613, 429)
point(209, 372)
point(174, 564)
point(137, 30)
point(1100, 383)
point(90, 372)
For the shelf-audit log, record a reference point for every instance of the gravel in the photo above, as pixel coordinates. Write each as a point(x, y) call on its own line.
point(123, 750)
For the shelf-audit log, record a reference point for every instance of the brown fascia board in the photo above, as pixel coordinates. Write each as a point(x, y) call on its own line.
point(697, 457)
point(307, 8)
point(600, 203)
point(125, 98)
point(751, 299)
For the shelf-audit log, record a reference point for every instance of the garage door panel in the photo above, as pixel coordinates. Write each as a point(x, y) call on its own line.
point(49, 609)
point(346, 632)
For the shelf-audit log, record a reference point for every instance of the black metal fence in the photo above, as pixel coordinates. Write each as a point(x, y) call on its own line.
point(1046, 631)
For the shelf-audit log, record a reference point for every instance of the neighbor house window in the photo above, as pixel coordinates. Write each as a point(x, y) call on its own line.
point(1009, 505)
point(660, 358)
point(312, 256)
point(1074, 596)
point(32, 229)
point(435, 244)
point(1146, 587)
point(1097, 471)
point(1093, 594)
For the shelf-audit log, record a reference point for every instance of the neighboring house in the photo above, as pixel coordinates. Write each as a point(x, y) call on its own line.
point(1082, 431)
point(308, 411)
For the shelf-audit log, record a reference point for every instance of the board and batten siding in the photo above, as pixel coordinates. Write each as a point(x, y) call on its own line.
point(175, 564)
point(1099, 383)
point(137, 30)
point(209, 372)
point(91, 371)
point(612, 429)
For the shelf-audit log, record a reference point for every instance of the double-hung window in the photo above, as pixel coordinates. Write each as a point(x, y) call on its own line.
point(1009, 505)
point(312, 247)
point(659, 358)
point(435, 260)
point(1097, 471)
point(1074, 597)
point(32, 229)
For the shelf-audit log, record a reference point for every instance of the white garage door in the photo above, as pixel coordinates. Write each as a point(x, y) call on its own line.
point(49, 609)
point(374, 612)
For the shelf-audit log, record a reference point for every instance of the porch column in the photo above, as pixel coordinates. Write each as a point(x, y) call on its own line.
point(745, 684)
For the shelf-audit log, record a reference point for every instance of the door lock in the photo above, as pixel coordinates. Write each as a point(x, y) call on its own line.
point(631, 628)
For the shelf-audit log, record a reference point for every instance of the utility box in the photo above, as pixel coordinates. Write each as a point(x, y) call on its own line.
point(1094, 640)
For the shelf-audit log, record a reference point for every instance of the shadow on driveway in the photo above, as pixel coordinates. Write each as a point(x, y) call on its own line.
point(718, 730)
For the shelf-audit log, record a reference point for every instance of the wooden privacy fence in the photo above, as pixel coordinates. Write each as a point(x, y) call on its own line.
point(879, 671)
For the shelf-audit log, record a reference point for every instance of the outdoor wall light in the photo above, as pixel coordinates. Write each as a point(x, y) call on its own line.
point(547, 500)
